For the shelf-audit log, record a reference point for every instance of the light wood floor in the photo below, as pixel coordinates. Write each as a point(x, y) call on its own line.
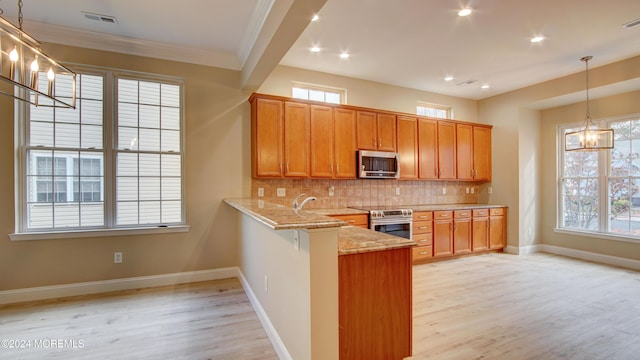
point(207, 320)
point(494, 306)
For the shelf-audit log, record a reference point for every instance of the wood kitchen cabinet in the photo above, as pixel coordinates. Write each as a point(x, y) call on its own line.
point(473, 146)
point(428, 149)
point(462, 232)
point(446, 150)
point(296, 139)
point(374, 305)
point(497, 228)
point(407, 128)
point(359, 220)
point(442, 233)
point(345, 143)
point(422, 235)
point(480, 230)
point(267, 117)
point(376, 131)
point(333, 137)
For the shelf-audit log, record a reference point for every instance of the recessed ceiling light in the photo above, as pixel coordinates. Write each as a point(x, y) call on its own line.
point(448, 78)
point(485, 86)
point(464, 12)
point(344, 55)
point(537, 39)
point(315, 17)
point(315, 49)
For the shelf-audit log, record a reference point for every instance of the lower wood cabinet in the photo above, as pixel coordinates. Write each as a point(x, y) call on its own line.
point(480, 228)
point(462, 231)
point(497, 228)
point(375, 310)
point(422, 229)
point(359, 220)
point(442, 233)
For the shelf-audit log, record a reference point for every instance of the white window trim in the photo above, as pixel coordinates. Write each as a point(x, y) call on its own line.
point(110, 75)
point(603, 160)
point(448, 109)
point(341, 91)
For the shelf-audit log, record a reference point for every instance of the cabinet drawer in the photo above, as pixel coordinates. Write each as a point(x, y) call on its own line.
point(438, 215)
point(496, 211)
point(421, 227)
point(462, 214)
point(423, 239)
point(480, 212)
point(422, 252)
point(355, 220)
point(422, 215)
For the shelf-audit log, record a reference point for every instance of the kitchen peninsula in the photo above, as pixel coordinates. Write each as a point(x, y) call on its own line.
point(324, 290)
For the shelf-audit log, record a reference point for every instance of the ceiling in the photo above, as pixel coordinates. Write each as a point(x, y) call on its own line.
point(408, 43)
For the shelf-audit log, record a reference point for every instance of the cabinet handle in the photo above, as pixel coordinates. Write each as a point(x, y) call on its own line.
point(423, 253)
point(422, 216)
point(280, 168)
point(422, 227)
point(380, 142)
point(351, 221)
point(287, 168)
point(332, 168)
point(443, 215)
point(374, 143)
point(473, 173)
point(337, 168)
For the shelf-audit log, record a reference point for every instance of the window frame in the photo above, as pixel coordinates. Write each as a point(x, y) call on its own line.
point(604, 177)
point(448, 109)
point(109, 151)
point(323, 88)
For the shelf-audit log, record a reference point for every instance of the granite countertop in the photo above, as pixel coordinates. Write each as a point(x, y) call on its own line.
point(356, 240)
point(279, 217)
point(447, 207)
point(340, 211)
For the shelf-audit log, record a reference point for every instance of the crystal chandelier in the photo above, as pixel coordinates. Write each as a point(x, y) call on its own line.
point(35, 77)
point(590, 137)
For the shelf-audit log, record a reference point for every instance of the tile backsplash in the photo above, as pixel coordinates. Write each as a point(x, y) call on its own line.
point(366, 192)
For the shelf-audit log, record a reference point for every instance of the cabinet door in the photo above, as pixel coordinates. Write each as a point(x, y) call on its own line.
point(481, 153)
point(462, 232)
point(408, 146)
point(296, 139)
point(464, 151)
point(480, 237)
point(446, 150)
point(428, 149)
point(267, 119)
point(366, 127)
point(497, 229)
point(442, 233)
point(345, 143)
point(321, 120)
point(386, 130)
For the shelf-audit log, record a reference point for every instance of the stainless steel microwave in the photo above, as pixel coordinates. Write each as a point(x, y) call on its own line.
point(378, 165)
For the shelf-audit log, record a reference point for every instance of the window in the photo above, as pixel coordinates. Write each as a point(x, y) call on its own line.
point(600, 191)
point(433, 110)
point(317, 93)
point(74, 179)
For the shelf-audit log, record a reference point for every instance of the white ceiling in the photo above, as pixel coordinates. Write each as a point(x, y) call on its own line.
point(409, 43)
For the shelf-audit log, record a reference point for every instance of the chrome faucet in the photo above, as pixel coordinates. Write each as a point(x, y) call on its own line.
point(299, 206)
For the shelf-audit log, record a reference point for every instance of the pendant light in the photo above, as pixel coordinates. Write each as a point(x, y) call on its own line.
point(590, 137)
point(34, 77)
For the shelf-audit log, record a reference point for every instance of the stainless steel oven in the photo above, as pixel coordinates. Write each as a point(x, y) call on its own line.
point(396, 222)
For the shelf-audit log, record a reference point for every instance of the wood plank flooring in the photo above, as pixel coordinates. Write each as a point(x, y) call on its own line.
point(494, 306)
point(539, 306)
point(207, 320)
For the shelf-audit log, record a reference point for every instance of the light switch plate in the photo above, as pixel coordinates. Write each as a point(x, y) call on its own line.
point(260, 192)
point(444, 190)
point(397, 191)
point(281, 192)
point(490, 190)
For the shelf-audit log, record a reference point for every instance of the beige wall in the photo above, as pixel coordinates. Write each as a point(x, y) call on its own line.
point(368, 93)
point(217, 136)
point(618, 105)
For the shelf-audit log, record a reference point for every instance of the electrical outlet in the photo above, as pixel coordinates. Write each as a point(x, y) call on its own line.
point(467, 189)
point(281, 192)
point(331, 191)
point(397, 191)
point(473, 190)
point(296, 240)
point(490, 190)
point(260, 192)
point(117, 257)
point(444, 190)
point(266, 283)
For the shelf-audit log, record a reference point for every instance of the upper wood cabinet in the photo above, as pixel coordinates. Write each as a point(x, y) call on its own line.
point(473, 152)
point(296, 139)
point(376, 131)
point(446, 150)
point(428, 149)
point(333, 142)
point(267, 118)
point(407, 128)
point(464, 151)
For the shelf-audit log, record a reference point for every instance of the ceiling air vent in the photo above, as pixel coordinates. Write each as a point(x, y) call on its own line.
point(102, 18)
point(465, 83)
point(631, 24)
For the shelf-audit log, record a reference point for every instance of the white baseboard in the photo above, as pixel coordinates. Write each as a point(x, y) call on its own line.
point(522, 250)
point(273, 335)
point(95, 287)
point(590, 256)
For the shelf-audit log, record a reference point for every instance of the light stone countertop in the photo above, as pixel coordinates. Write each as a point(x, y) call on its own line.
point(356, 240)
point(447, 207)
point(339, 211)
